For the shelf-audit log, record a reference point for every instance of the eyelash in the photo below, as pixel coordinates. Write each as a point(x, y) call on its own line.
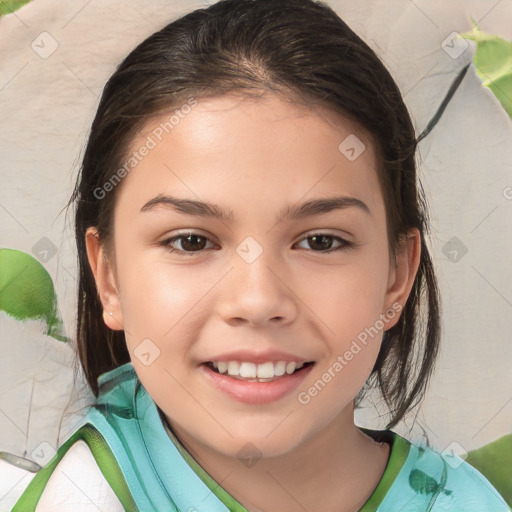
point(344, 244)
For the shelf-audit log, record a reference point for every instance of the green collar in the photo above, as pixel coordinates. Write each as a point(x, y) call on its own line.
point(398, 454)
point(400, 448)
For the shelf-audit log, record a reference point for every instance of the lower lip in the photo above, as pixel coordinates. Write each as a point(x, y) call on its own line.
point(256, 392)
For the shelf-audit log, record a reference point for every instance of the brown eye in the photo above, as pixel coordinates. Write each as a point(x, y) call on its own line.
point(190, 243)
point(323, 242)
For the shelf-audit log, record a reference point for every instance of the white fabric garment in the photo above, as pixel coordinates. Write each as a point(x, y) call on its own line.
point(77, 484)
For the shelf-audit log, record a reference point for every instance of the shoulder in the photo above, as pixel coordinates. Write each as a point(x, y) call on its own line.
point(450, 483)
point(471, 489)
point(77, 481)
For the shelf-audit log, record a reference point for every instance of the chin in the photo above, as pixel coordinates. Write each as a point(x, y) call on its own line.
point(249, 449)
point(256, 441)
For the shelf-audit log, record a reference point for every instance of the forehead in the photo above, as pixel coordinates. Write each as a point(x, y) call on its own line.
point(240, 145)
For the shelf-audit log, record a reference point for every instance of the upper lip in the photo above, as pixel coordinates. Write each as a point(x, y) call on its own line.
point(258, 357)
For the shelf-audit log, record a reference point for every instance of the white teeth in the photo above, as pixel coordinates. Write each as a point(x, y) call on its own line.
point(290, 368)
point(280, 368)
point(234, 368)
point(248, 370)
point(264, 371)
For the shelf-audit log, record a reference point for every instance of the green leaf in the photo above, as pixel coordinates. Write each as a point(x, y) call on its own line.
point(422, 483)
point(494, 461)
point(9, 6)
point(493, 61)
point(26, 291)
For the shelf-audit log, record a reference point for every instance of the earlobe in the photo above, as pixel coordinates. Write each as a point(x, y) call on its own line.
point(105, 280)
point(403, 273)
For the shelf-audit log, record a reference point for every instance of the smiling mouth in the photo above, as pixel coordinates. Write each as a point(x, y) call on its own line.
point(252, 372)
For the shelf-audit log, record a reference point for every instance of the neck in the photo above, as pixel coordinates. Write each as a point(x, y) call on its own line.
point(336, 470)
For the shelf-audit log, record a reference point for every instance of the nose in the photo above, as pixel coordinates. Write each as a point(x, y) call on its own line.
point(257, 293)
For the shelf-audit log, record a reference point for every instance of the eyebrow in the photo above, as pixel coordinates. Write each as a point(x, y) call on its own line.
point(290, 212)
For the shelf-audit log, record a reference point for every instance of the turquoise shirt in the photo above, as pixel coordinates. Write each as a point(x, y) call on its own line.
point(149, 470)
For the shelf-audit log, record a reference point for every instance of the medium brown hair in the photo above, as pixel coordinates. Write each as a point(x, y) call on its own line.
point(299, 49)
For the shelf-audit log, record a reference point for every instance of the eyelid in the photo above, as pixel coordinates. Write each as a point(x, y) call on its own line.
point(183, 233)
point(187, 232)
point(346, 236)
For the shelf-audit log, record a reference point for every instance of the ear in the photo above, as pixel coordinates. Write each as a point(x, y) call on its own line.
point(402, 274)
point(105, 280)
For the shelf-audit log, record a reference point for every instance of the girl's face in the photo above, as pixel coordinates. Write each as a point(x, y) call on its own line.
point(296, 270)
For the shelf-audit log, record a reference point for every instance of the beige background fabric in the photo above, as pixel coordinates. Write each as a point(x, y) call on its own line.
point(55, 59)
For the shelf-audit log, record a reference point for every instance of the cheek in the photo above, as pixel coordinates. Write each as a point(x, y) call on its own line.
point(350, 314)
point(165, 303)
point(153, 299)
point(349, 304)
point(350, 299)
